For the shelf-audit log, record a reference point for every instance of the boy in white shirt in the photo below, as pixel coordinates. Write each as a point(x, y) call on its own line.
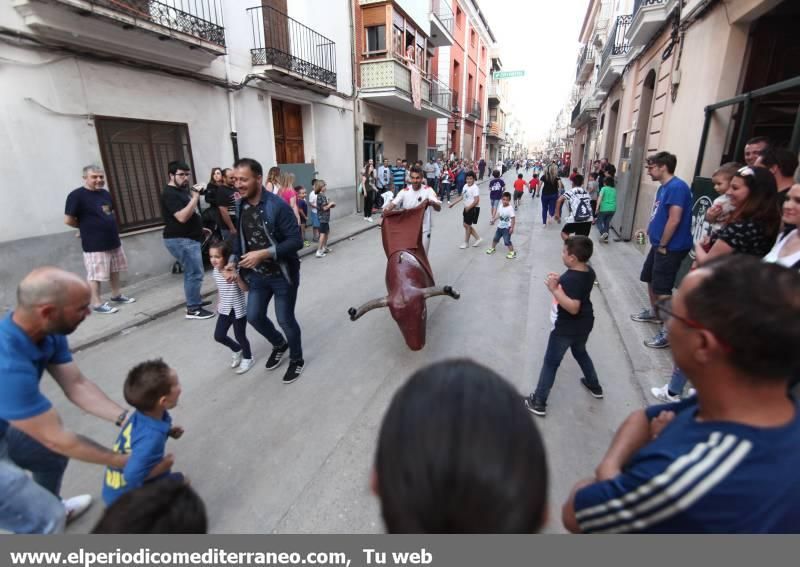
point(471, 198)
point(506, 221)
point(414, 196)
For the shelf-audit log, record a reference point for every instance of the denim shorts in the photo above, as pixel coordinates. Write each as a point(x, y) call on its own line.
point(661, 270)
point(314, 216)
point(503, 233)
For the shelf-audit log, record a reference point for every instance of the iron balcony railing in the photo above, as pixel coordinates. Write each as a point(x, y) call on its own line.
point(474, 108)
point(442, 10)
point(639, 3)
point(456, 107)
point(286, 43)
point(441, 95)
point(617, 44)
point(586, 57)
point(199, 18)
point(576, 112)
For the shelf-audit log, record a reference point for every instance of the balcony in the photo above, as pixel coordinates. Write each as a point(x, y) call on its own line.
point(474, 110)
point(287, 52)
point(648, 17)
point(388, 82)
point(495, 96)
point(585, 110)
point(615, 54)
point(585, 64)
point(495, 131)
point(182, 33)
point(442, 21)
point(455, 101)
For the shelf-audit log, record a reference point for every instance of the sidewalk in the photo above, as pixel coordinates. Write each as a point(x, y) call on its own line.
point(158, 296)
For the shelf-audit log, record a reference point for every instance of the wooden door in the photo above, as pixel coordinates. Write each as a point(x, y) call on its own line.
point(287, 120)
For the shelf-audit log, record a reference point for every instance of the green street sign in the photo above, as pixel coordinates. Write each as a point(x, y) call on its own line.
point(507, 74)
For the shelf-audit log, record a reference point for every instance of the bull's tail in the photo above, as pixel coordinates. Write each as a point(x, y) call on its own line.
point(368, 306)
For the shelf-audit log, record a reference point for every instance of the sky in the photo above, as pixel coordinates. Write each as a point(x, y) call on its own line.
point(541, 38)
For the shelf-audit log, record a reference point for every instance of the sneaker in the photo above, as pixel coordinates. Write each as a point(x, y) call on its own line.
point(511, 255)
point(274, 359)
point(660, 340)
point(247, 364)
point(645, 316)
point(198, 313)
point(535, 406)
point(123, 299)
point(368, 219)
point(477, 243)
point(662, 394)
point(463, 246)
point(605, 237)
point(104, 309)
point(76, 506)
point(320, 254)
point(490, 250)
point(596, 391)
point(236, 359)
point(294, 371)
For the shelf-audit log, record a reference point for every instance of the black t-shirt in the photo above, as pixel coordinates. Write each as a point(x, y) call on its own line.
point(577, 285)
point(95, 213)
point(172, 201)
point(224, 196)
point(549, 187)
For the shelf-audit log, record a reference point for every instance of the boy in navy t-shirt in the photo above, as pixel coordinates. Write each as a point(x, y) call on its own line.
point(152, 388)
point(573, 319)
point(496, 189)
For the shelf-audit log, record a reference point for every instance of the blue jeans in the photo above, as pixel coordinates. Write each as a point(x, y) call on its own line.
point(677, 382)
point(604, 221)
point(187, 252)
point(548, 206)
point(30, 505)
point(557, 347)
point(262, 289)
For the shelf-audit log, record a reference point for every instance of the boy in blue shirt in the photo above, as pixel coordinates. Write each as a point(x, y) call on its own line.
point(152, 388)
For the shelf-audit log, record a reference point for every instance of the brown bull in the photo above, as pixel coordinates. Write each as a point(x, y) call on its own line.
point(409, 279)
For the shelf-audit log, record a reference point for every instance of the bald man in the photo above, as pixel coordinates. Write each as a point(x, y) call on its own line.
point(51, 303)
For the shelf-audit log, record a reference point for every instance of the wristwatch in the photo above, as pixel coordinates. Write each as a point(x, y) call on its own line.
point(121, 419)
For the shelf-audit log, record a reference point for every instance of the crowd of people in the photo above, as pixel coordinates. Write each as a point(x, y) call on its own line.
point(457, 451)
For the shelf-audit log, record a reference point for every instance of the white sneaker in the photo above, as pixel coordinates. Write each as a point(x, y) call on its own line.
point(247, 364)
point(477, 243)
point(368, 219)
point(236, 359)
point(320, 254)
point(663, 394)
point(76, 506)
point(463, 246)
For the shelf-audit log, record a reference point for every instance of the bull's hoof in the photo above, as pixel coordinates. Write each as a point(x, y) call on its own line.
point(352, 313)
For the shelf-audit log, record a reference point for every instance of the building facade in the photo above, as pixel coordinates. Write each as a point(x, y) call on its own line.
point(134, 84)
point(696, 78)
point(498, 108)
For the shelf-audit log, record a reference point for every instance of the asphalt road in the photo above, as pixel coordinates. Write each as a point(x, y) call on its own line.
point(272, 458)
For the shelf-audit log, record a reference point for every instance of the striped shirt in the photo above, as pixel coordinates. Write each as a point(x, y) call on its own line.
point(399, 178)
point(701, 477)
point(230, 297)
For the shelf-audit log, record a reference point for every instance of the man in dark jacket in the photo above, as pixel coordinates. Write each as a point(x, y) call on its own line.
point(266, 253)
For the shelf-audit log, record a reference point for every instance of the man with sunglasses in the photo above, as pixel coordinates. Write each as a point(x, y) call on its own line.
point(725, 460)
point(670, 234)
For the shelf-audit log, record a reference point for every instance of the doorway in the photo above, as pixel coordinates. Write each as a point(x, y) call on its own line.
point(287, 122)
point(412, 153)
point(373, 149)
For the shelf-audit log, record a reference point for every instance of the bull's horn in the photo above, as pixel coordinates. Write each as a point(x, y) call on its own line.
point(446, 290)
point(368, 306)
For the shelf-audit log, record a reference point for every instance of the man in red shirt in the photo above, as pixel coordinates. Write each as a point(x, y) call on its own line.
point(519, 189)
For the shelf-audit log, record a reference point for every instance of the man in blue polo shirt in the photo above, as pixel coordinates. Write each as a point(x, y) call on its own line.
point(727, 460)
point(51, 303)
point(670, 234)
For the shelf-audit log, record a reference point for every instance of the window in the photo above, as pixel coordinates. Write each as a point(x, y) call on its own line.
point(472, 36)
point(459, 17)
point(397, 42)
point(376, 39)
point(135, 156)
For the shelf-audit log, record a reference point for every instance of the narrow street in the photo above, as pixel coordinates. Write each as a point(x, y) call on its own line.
point(296, 459)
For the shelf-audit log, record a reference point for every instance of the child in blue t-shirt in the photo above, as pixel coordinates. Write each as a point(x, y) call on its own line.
point(302, 208)
point(496, 189)
point(151, 388)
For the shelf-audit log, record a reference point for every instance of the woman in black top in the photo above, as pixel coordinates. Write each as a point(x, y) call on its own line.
point(549, 192)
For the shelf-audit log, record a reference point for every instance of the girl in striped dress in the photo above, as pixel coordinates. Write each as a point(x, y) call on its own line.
point(232, 309)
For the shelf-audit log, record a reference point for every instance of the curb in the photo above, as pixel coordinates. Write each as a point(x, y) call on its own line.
point(179, 302)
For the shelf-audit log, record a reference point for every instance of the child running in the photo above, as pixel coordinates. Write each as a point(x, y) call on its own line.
point(151, 388)
point(496, 188)
point(232, 309)
point(324, 212)
point(606, 207)
point(573, 318)
point(519, 190)
point(534, 186)
point(506, 220)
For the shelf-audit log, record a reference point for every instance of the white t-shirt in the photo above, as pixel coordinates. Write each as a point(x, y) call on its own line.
point(579, 202)
point(388, 196)
point(470, 193)
point(312, 201)
point(504, 216)
point(410, 199)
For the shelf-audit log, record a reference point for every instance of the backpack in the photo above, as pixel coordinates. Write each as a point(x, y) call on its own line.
point(582, 205)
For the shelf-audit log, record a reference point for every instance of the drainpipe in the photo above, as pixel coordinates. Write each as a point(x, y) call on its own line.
point(356, 120)
point(231, 111)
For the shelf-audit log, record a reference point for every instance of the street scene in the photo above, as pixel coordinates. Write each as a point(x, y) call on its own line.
point(388, 266)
